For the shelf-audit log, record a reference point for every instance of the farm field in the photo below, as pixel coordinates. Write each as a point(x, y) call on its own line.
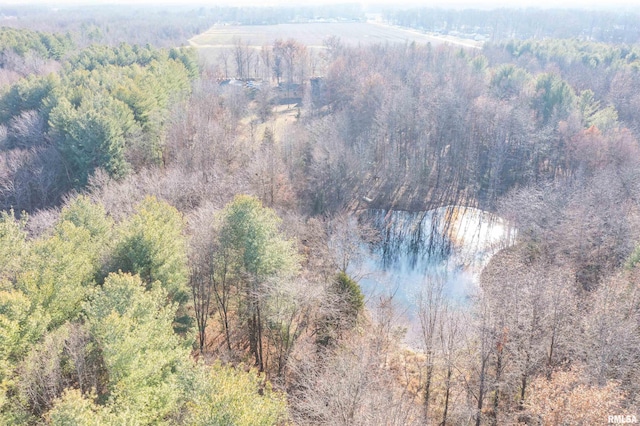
point(312, 35)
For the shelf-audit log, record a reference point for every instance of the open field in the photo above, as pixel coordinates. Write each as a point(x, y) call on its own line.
point(312, 35)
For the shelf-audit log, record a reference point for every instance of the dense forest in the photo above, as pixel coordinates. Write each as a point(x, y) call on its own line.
point(178, 249)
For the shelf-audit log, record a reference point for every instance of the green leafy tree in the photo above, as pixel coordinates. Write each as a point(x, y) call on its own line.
point(57, 272)
point(250, 235)
point(214, 396)
point(152, 244)
point(349, 291)
point(28, 94)
point(507, 81)
point(151, 379)
point(92, 135)
point(84, 213)
point(147, 94)
point(588, 106)
point(189, 58)
point(60, 271)
point(554, 98)
point(22, 324)
point(221, 395)
point(75, 409)
point(141, 353)
point(22, 41)
point(605, 119)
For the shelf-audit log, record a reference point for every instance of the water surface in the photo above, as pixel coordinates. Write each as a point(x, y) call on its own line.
point(449, 243)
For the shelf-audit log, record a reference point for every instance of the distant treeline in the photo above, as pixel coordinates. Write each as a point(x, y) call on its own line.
point(286, 14)
point(500, 24)
point(161, 26)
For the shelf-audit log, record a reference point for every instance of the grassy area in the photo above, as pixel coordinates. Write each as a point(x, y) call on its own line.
point(312, 35)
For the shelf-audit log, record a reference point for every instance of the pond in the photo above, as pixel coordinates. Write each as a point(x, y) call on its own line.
point(450, 243)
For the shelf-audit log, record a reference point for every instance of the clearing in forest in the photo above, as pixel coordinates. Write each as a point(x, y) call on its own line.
point(313, 34)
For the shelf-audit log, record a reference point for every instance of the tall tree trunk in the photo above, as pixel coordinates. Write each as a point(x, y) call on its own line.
point(525, 377)
point(483, 366)
point(225, 322)
point(496, 395)
point(446, 395)
point(427, 386)
point(259, 338)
